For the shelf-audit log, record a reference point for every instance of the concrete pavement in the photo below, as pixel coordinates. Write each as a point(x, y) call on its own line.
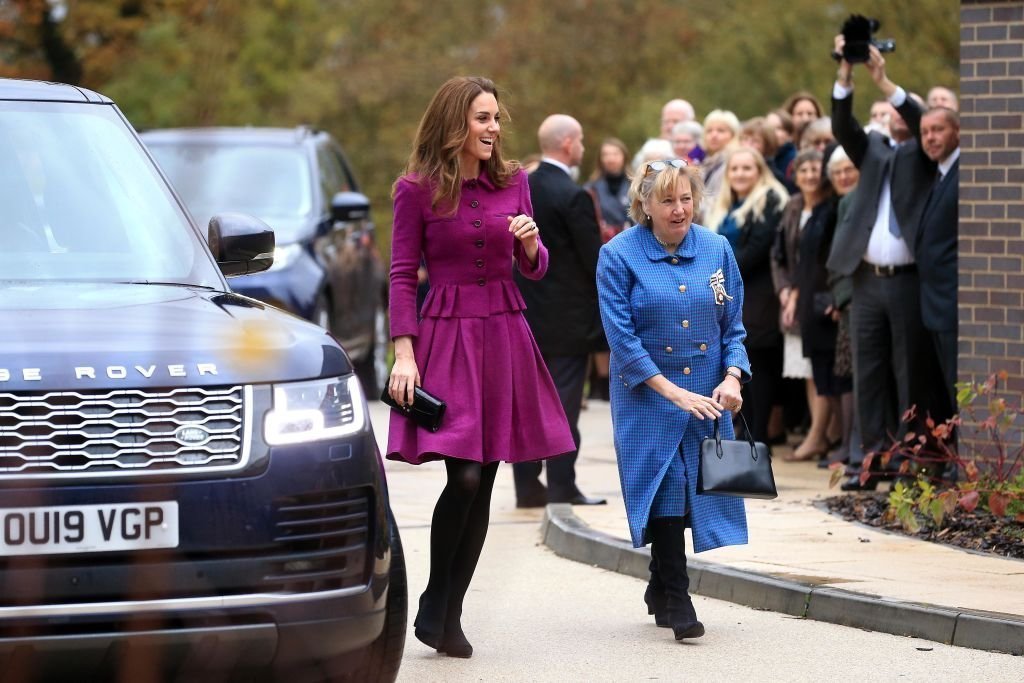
point(803, 561)
point(800, 560)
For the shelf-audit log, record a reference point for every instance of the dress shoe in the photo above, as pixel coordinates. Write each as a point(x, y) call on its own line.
point(580, 499)
point(826, 463)
point(531, 501)
point(534, 495)
point(852, 483)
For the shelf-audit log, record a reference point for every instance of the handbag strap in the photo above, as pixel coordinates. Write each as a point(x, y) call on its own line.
point(746, 430)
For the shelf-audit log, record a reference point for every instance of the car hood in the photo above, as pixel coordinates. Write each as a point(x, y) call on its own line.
point(101, 336)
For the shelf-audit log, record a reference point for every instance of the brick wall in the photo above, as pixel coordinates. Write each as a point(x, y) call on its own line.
point(991, 208)
point(991, 307)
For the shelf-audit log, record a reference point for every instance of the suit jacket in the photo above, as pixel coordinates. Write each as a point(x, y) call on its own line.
point(912, 176)
point(936, 254)
point(562, 308)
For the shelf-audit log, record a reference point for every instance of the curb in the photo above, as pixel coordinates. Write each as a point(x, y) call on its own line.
point(568, 536)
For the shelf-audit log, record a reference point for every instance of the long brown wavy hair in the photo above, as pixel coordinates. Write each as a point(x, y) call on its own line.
point(442, 133)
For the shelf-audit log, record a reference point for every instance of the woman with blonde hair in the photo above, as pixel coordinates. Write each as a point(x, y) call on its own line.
point(747, 212)
point(721, 133)
point(666, 400)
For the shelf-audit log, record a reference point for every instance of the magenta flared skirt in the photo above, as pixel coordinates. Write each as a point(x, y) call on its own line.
point(502, 404)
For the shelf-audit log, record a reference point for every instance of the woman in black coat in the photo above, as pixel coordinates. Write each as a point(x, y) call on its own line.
point(747, 212)
point(817, 310)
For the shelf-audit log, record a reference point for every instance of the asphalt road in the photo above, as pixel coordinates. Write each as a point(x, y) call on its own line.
point(533, 616)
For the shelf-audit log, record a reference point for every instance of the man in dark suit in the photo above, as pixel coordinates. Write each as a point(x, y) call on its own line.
point(875, 244)
point(562, 307)
point(937, 243)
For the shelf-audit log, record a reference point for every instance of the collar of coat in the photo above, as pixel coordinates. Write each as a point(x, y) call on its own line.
point(686, 249)
point(484, 180)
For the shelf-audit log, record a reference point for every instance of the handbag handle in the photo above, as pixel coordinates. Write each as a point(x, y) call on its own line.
point(746, 430)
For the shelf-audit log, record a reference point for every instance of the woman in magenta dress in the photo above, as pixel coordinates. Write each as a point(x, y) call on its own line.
point(466, 211)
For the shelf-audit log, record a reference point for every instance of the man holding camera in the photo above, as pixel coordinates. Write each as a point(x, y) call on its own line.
point(875, 245)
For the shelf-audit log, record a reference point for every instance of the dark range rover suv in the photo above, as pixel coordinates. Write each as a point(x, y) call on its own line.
point(189, 485)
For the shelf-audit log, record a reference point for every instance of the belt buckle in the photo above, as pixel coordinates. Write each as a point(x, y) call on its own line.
point(884, 271)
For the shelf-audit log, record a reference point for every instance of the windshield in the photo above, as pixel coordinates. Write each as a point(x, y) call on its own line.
point(270, 182)
point(81, 201)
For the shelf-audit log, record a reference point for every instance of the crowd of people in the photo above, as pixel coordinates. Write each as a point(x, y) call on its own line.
point(774, 186)
point(727, 261)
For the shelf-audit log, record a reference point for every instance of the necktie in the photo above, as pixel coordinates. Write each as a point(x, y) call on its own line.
point(894, 227)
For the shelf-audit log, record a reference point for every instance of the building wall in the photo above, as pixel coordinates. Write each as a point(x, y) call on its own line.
point(991, 308)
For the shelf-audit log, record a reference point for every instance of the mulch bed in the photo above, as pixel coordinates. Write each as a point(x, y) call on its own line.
point(978, 530)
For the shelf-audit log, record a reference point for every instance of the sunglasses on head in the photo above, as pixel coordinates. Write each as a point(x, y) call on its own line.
point(661, 165)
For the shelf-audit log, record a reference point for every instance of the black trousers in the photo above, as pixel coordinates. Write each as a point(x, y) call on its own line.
point(569, 374)
point(946, 349)
point(894, 363)
point(764, 388)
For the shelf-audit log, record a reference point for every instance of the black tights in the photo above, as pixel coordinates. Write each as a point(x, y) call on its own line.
point(457, 533)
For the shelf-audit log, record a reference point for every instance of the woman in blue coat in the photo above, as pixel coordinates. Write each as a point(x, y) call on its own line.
point(671, 302)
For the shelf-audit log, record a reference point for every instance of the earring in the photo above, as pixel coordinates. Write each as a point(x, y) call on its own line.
point(648, 216)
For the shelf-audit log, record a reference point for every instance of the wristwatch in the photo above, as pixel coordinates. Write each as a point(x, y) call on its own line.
point(733, 372)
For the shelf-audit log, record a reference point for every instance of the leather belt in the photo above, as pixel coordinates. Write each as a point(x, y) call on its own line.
point(887, 271)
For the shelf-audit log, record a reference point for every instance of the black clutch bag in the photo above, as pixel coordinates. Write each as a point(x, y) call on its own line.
point(426, 409)
point(740, 469)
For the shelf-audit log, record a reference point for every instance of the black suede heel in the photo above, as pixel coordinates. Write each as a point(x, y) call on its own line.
point(454, 642)
point(428, 627)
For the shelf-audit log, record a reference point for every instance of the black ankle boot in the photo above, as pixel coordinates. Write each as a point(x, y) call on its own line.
point(429, 622)
point(454, 642)
point(667, 536)
point(654, 596)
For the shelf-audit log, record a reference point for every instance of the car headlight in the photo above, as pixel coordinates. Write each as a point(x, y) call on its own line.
point(315, 410)
point(285, 255)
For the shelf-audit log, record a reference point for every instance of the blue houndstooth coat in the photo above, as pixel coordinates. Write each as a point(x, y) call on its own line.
point(660, 315)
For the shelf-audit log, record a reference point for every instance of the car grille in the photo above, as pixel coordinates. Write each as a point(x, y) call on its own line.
point(118, 432)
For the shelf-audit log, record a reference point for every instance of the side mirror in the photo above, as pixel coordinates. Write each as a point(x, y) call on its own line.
point(241, 244)
point(350, 206)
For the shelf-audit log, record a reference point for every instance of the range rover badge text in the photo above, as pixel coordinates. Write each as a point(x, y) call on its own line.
point(86, 372)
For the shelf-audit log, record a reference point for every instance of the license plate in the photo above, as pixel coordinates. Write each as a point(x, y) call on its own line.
point(88, 528)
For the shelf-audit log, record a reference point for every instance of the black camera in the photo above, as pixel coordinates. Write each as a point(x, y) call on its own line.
point(859, 31)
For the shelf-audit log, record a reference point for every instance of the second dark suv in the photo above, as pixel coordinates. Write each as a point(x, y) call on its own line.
point(327, 268)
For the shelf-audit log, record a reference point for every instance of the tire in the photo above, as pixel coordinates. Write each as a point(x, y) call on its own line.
point(373, 370)
point(381, 659)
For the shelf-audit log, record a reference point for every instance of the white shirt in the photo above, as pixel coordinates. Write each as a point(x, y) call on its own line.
point(948, 163)
point(559, 164)
point(884, 249)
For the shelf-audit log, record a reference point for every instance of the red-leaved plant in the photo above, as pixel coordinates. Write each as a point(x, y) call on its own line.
point(941, 478)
